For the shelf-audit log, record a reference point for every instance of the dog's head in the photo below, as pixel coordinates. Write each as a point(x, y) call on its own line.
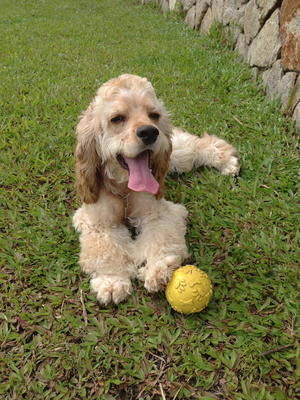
point(123, 138)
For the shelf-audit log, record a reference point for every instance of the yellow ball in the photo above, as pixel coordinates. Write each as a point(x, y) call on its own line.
point(189, 290)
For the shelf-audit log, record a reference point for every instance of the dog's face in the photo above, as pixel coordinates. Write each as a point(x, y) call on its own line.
point(124, 137)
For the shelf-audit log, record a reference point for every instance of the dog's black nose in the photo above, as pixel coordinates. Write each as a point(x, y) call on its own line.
point(147, 133)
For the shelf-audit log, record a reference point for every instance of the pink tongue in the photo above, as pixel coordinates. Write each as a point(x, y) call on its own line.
point(140, 176)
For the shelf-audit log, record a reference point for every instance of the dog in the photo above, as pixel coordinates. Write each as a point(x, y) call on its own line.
point(125, 147)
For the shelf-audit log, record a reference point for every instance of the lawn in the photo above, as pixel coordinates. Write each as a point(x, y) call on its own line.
point(56, 341)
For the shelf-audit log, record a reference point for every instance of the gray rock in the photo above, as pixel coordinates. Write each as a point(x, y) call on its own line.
point(239, 3)
point(241, 46)
point(296, 117)
point(265, 7)
point(217, 10)
point(252, 23)
point(255, 73)
point(265, 76)
point(296, 94)
point(174, 5)
point(187, 4)
point(271, 79)
point(286, 88)
point(241, 16)
point(164, 5)
point(206, 21)
point(265, 48)
point(230, 11)
point(190, 17)
point(201, 9)
point(256, 12)
point(234, 30)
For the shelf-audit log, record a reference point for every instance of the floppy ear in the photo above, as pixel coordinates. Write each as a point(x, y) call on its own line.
point(160, 169)
point(88, 163)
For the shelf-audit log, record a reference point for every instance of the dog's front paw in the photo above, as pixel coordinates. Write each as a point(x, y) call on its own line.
point(157, 275)
point(232, 165)
point(156, 278)
point(110, 289)
point(225, 157)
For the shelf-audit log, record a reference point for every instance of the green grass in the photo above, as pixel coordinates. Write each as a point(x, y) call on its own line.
point(243, 233)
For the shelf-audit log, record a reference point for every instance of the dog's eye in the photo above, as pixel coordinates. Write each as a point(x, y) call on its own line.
point(117, 119)
point(154, 115)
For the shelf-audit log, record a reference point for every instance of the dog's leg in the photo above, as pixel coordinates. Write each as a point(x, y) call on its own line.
point(161, 243)
point(106, 252)
point(192, 151)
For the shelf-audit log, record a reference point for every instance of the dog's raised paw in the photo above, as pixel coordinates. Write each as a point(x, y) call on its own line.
point(157, 275)
point(156, 278)
point(232, 166)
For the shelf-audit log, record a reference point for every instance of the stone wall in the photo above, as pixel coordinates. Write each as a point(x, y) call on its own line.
point(266, 34)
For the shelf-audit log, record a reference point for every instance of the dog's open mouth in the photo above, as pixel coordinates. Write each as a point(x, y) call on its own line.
point(140, 174)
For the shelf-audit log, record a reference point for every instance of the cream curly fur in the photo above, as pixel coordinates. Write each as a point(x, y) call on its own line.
point(106, 131)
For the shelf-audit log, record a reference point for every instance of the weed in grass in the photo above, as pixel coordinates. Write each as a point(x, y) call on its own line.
point(55, 340)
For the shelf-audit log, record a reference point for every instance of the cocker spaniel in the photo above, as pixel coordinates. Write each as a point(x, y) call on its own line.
point(125, 147)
